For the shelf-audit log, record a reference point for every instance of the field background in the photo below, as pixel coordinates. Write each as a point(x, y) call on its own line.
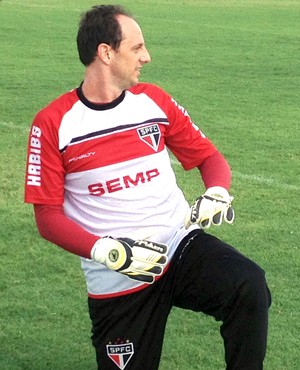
point(235, 66)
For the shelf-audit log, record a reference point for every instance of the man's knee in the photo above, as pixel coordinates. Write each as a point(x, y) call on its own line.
point(253, 289)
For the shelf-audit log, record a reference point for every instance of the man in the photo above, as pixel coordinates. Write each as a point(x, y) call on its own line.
point(100, 179)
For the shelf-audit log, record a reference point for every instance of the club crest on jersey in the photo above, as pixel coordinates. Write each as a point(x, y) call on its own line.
point(120, 354)
point(150, 135)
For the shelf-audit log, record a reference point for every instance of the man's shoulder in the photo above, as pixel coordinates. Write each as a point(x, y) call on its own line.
point(154, 92)
point(145, 87)
point(60, 105)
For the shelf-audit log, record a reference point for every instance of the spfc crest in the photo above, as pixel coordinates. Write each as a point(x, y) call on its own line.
point(120, 354)
point(150, 135)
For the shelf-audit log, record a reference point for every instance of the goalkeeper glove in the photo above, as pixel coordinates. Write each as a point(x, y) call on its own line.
point(140, 260)
point(212, 207)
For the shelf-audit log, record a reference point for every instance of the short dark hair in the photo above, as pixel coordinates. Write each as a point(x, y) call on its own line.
point(99, 25)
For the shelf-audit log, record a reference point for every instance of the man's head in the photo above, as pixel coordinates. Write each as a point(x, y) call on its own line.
point(110, 37)
point(99, 25)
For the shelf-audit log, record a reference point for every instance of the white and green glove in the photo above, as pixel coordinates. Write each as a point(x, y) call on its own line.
point(212, 207)
point(140, 260)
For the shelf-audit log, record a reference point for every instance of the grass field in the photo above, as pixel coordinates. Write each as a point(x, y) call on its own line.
point(235, 66)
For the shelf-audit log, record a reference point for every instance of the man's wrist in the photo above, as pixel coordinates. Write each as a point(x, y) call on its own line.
point(218, 191)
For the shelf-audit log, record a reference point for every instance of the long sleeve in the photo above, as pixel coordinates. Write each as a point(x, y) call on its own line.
point(215, 171)
point(55, 227)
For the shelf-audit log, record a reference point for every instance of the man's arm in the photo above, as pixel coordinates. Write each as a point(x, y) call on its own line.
point(215, 171)
point(56, 227)
point(140, 260)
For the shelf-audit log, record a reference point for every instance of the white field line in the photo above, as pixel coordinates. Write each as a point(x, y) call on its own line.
point(13, 126)
point(257, 179)
point(265, 181)
point(46, 6)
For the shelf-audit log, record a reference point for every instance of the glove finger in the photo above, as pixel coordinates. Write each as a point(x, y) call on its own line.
point(217, 218)
point(142, 267)
point(193, 216)
point(207, 215)
point(155, 270)
point(205, 222)
point(153, 262)
point(149, 279)
point(229, 215)
point(163, 260)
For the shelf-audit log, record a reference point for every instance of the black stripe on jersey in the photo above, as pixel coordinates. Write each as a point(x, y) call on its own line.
point(100, 106)
point(109, 131)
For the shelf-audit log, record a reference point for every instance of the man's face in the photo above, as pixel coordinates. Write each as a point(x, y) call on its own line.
point(131, 55)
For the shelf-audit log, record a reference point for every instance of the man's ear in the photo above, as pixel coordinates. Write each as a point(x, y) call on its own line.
point(104, 52)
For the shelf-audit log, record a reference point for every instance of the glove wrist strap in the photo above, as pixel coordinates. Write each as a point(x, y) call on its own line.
point(218, 191)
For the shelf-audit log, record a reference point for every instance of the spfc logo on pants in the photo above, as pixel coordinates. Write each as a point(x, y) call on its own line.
point(120, 354)
point(150, 135)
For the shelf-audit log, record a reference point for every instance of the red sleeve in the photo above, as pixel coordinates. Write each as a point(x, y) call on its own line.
point(215, 171)
point(55, 227)
point(45, 170)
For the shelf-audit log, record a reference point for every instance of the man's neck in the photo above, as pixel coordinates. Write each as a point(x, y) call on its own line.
point(98, 89)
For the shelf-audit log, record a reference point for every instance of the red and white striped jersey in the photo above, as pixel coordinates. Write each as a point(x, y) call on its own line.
point(109, 166)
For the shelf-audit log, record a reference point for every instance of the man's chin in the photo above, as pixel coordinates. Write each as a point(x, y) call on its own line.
point(134, 82)
point(131, 83)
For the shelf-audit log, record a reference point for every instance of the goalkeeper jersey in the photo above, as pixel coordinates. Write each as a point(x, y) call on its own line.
point(109, 165)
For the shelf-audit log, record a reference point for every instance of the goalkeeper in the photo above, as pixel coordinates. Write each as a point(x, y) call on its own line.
point(101, 182)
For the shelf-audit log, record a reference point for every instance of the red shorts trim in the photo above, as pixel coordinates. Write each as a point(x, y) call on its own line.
point(125, 292)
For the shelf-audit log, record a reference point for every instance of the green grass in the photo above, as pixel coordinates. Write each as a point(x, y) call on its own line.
point(235, 66)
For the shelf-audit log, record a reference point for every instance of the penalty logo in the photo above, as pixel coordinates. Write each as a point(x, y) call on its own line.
point(150, 135)
point(120, 354)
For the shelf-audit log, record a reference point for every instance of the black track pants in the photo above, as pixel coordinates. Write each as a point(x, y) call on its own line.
point(205, 275)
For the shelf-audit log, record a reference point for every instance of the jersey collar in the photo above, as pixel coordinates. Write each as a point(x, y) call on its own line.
point(96, 106)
